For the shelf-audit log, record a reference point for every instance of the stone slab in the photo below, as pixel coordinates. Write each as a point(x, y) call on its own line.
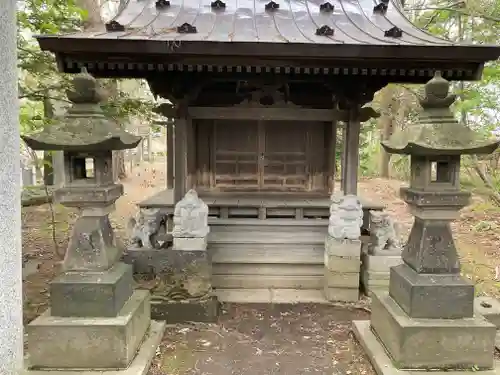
point(139, 366)
point(91, 294)
point(147, 261)
point(380, 263)
point(376, 276)
point(336, 263)
point(384, 365)
point(173, 312)
point(89, 343)
point(431, 296)
point(432, 343)
point(190, 244)
point(341, 294)
point(343, 248)
point(341, 279)
point(489, 307)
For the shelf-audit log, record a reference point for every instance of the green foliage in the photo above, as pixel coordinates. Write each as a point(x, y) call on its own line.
point(42, 87)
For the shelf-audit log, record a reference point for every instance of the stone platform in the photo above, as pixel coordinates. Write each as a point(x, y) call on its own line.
point(139, 366)
point(74, 343)
point(384, 365)
point(200, 310)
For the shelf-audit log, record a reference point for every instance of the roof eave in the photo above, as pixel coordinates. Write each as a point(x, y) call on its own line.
point(437, 52)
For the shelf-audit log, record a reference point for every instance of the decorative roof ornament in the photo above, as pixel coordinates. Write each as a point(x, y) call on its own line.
point(324, 30)
point(84, 128)
point(162, 4)
point(437, 132)
point(326, 7)
point(272, 6)
point(394, 32)
point(186, 28)
point(114, 26)
point(381, 7)
point(218, 4)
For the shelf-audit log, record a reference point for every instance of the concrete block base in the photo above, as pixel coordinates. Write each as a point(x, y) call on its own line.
point(384, 365)
point(341, 279)
point(190, 244)
point(173, 312)
point(431, 296)
point(139, 366)
point(341, 294)
point(97, 343)
point(91, 294)
point(374, 281)
point(335, 263)
point(380, 263)
point(466, 343)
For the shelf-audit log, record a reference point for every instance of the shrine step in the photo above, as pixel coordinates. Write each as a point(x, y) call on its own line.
point(270, 236)
point(269, 225)
point(267, 253)
point(275, 295)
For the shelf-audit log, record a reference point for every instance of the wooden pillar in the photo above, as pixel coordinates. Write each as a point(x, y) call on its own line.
point(180, 168)
point(190, 154)
point(343, 157)
point(170, 154)
point(352, 154)
point(332, 148)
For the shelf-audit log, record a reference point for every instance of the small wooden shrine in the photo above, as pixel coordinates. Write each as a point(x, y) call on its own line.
point(259, 92)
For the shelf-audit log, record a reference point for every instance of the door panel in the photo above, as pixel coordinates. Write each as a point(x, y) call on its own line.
point(284, 156)
point(236, 154)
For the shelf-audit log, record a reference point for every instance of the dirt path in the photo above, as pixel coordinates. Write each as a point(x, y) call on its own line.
point(265, 340)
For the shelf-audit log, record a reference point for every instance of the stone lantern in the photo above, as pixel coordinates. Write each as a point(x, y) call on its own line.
point(95, 289)
point(427, 320)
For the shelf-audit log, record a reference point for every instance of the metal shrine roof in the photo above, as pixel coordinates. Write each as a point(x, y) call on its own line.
point(264, 21)
point(327, 31)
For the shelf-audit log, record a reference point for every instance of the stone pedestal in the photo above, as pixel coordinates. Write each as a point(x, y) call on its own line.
point(342, 267)
point(381, 253)
point(375, 271)
point(183, 292)
point(343, 249)
point(179, 274)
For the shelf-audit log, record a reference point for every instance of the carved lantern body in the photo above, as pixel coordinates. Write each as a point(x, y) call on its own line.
point(428, 286)
point(87, 138)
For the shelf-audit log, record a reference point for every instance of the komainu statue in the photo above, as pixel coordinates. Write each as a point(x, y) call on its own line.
point(191, 217)
point(144, 230)
point(384, 237)
point(346, 217)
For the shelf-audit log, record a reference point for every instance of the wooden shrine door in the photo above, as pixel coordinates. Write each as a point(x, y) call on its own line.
point(283, 156)
point(261, 155)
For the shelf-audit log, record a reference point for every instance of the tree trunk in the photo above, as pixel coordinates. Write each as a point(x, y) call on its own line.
point(48, 164)
point(94, 19)
point(385, 125)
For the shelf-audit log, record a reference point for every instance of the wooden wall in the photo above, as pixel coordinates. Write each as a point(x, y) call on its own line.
point(251, 155)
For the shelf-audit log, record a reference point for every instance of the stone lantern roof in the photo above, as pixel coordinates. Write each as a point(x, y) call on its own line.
point(84, 128)
point(438, 132)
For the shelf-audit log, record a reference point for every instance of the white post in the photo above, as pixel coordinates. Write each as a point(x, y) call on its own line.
point(11, 311)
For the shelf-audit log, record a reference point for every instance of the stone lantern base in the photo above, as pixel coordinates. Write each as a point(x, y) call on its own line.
point(98, 325)
point(394, 342)
point(385, 365)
